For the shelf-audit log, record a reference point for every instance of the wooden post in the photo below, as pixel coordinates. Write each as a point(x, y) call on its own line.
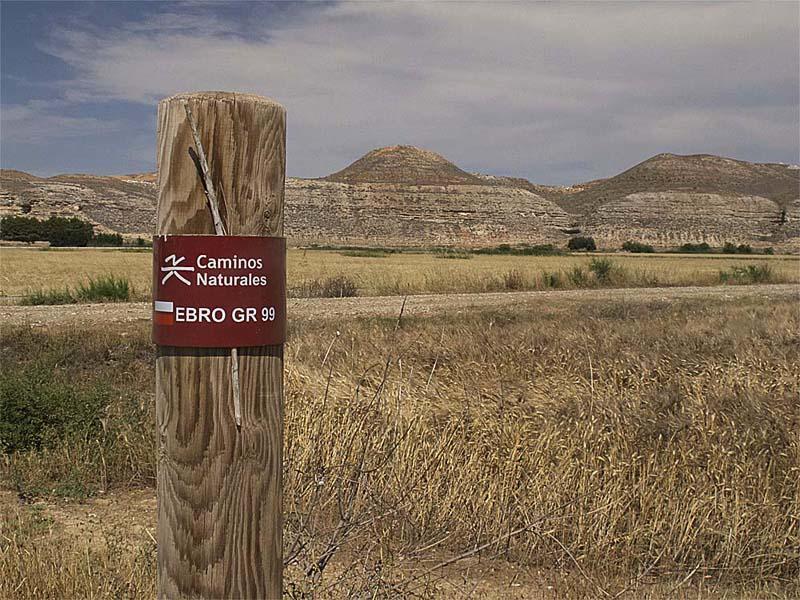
point(219, 485)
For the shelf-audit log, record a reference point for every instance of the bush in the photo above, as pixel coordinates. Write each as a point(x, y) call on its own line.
point(748, 274)
point(579, 277)
point(522, 250)
point(769, 251)
point(696, 248)
point(62, 232)
point(48, 297)
point(59, 231)
point(601, 267)
point(21, 229)
point(106, 288)
point(37, 409)
point(582, 243)
point(637, 247)
point(107, 239)
point(451, 253)
point(366, 253)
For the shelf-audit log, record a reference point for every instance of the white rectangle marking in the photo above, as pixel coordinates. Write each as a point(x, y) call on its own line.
point(164, 306)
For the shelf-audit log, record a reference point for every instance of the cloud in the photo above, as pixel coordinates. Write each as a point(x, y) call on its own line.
point(555, 92)
point(37, 122)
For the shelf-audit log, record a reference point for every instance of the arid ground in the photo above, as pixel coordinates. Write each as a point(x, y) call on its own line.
point(594, 443)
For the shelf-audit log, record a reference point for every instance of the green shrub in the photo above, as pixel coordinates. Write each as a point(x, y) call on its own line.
point(729, 248)
point(48, 297)
point(106, 288)
point(73, 413)
point(451, 253)
point(769, 250)
point(59, 231)
point(366, 253)
point(578, 276)
point(522, 250)
point(696, 248)
point(21, 229)
point(106, 239)
point(539, 250)
point(748, 274)
point(602, 268)
point(582, 243)
point(637, 247)
point(37, 409)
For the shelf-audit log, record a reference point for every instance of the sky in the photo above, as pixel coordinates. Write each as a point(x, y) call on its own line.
point(556, 93)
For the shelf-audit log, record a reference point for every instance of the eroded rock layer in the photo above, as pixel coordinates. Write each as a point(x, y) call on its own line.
point(412, 215)
point(113, 204)
point(674, 218)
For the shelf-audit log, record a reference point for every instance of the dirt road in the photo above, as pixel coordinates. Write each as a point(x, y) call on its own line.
point(389, 306)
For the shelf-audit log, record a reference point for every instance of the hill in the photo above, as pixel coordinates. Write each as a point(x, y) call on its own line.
point(407, 196)
point(404, 164)
point(697, 173)
point(672, 199)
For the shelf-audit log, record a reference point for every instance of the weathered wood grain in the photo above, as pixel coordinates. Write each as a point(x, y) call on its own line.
point(219, 486)
point(244, 137)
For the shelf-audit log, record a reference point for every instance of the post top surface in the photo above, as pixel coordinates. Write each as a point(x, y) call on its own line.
point(222, 97)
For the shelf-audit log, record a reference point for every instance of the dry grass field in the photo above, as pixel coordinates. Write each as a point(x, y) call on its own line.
point(25, 270)
point(587, 450)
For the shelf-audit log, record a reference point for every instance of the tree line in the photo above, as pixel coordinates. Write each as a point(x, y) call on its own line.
point(59, 231)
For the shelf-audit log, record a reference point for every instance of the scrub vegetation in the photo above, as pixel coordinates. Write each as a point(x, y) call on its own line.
point(105, 288)
point(592, 450)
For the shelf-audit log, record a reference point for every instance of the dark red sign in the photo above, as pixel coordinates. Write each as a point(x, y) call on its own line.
point(223, 291)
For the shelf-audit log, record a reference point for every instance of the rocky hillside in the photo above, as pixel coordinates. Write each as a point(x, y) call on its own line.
point(671, 199)
point(698, 173)
point(405, 196)
point(319, 211)
point(113, 204)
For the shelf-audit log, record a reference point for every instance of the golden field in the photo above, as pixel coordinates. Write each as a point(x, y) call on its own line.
point(24, 270)
point(637, 449)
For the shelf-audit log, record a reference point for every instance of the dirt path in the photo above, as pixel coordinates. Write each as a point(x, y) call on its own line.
point(389, 306)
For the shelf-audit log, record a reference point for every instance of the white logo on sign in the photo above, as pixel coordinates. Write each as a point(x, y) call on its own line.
point(175, 269)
